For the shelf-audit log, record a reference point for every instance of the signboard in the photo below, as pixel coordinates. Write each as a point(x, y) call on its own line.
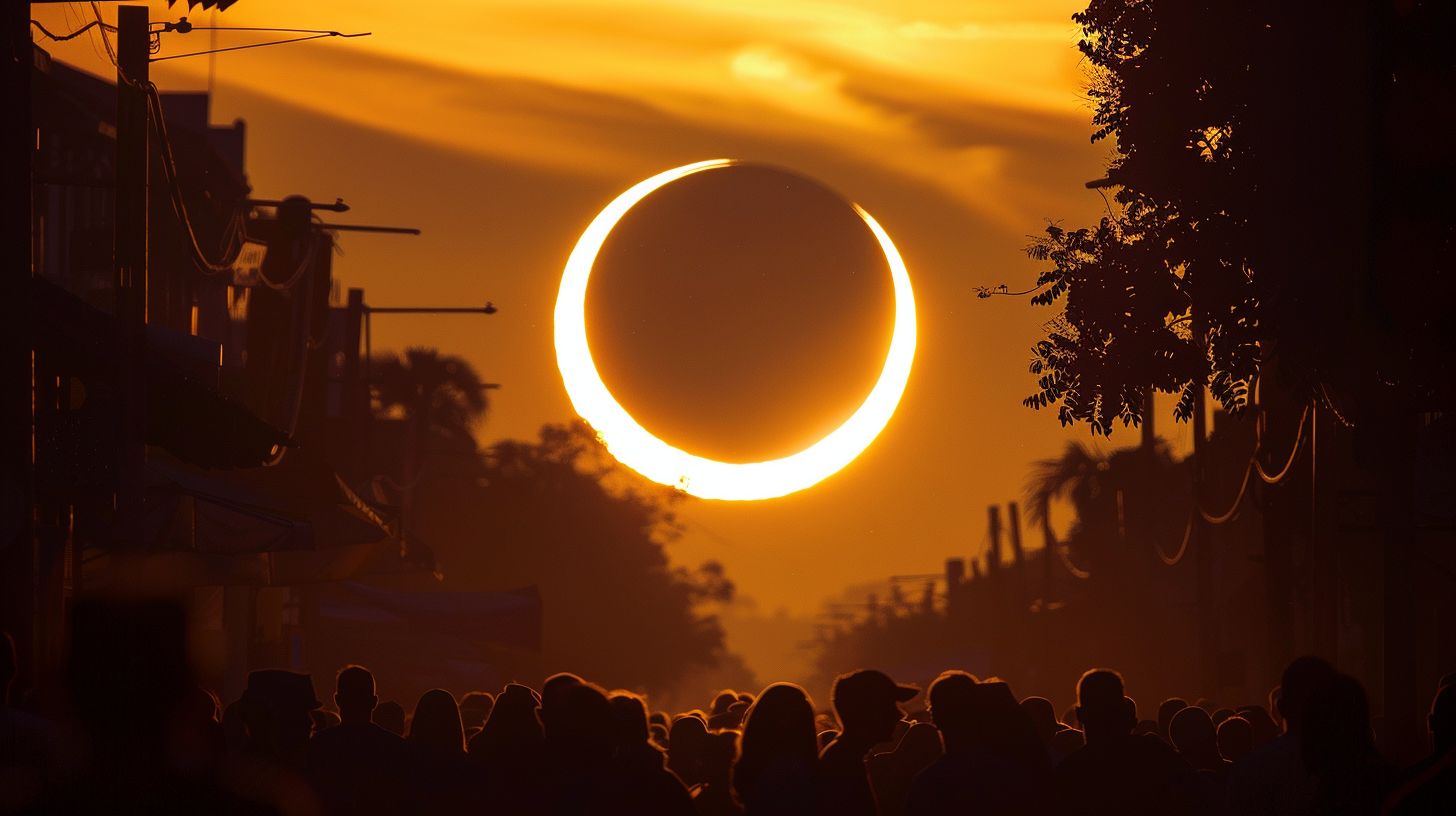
point(248, 267)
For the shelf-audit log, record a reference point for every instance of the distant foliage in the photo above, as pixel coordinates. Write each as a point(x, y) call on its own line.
point(561, 514)
point(442, 392)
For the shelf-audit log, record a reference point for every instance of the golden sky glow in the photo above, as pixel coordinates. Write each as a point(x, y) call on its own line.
point(503, 128)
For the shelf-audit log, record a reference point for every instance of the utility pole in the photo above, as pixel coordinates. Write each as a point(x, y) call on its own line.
point(132, 177)
point(17, 146)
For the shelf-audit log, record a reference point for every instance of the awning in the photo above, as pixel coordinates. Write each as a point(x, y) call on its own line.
point(176, 569)
point(299, 504)
point(185, 414)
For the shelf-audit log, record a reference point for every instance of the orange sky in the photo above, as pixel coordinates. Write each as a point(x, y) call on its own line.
point(501, 128)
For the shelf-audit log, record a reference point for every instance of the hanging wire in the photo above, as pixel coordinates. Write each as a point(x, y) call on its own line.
point(1293, 454)
point(1172, 560)
point(303, 266)
point(104, 27)
point(74, 34)
point(179, 205)
point(315, 36)
point(1076, 571)
point(1233, 511)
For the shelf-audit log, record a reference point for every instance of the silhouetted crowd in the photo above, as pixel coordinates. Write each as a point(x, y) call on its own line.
point(131, 733)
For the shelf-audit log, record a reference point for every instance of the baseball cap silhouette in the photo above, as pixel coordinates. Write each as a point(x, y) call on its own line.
point(869, 686)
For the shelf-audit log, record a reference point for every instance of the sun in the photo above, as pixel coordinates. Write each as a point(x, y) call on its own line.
point(636, 447)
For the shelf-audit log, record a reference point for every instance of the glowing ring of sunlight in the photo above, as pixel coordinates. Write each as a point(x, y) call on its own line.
point(635, 447)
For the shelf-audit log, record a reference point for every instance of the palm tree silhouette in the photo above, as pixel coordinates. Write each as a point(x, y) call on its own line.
point(1130, 495)
point(437, 395)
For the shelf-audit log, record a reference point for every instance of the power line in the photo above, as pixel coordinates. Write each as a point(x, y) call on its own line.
point(316, 36)
point(1172, 560)
point(74, 34)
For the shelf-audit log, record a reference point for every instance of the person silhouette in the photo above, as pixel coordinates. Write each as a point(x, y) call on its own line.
point(1265, 729)
point(436, 729)
point(1168, 709)
point(276, 710)
point(1043, 716)
point(510, 749)
point(993, 761)
point(1235, 738)
point(357, 767)
point(443, 780)
point(1117, 771)
point(1275, 778)
point(1338, 748)
point(687, 740)
point(1192, 732)
point(1430, 785)
point(714, 796)
point(778, 754)
point(867, 703)
point(892, 772)
point(639, 766)
point(474, 709)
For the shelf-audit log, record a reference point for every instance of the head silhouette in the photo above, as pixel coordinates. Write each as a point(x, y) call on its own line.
point(1192, 733)
point(687, 742)
point(1333, 723)
point(354, 694)
point(1235, 738)
point(1043, 717)
point(953, 708)
point(512, 732)
point(275, 711)
point(1265, 730)
point(1102, 708)
point(1304, 680)
point(475, 708)
point(867, 703)
point(779, 728)
point(552, 692)
point(1166, 711)
point(435, 726)
point(629, 714)
point(581, 728)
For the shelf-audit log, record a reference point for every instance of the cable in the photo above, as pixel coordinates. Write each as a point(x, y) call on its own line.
point(1172, 560)
point(1229, 514)
point(179, 206)
point(74, 34)
point(110, 51)
point(1293, 454)
point(1076, 571)
point(303, 266)
point(259, 45)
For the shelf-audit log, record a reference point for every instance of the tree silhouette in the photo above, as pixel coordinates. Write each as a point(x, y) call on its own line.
point(559, 513)
point(1119, 499)
point(432, 391)
point(1269, 173)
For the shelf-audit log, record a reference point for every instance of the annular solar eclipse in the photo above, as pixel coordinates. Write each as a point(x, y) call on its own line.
point(637, 448)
